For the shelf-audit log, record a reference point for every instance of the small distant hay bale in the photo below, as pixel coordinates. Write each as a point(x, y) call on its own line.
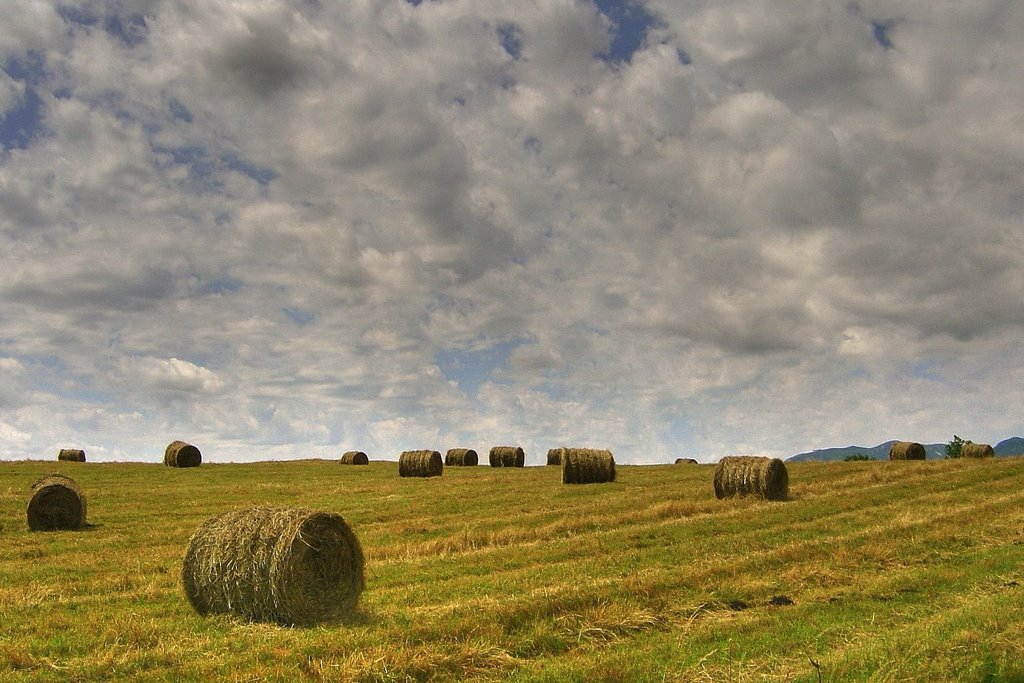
point(587, 466)
point(686, 461)
point(420, 464)
point(748, 475)
point(461, 457)
point(906, 450)
point(354, 458)
point(57, 502)
point(71, 455)
point(290, 566)
point(507, 456)
point(181, 454)
point(976, 450)
point(555, 456)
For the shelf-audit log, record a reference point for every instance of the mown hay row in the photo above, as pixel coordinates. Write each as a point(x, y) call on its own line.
point(906, 450)
point(555, 456)
point(587, 466)
point(738, 475)
point(56, 503)
point(461, 457)
point(420, 464)
point(976, 450)
point(289, 566)
point(507, 456)
point(71, 455)
point(181, 454)
point(354, 458)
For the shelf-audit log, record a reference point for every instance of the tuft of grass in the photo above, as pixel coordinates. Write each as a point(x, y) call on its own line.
point(890, 570)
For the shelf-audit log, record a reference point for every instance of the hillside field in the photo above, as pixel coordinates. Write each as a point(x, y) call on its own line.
point(895, 571)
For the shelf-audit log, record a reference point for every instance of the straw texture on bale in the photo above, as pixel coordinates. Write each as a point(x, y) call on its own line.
point(354, 458)
point(71, 454)
point(976, 450)
point(461, 457)
point(507, 456)
point(289, 566)
point(587, 466)
point(906, 450)
point(181, 454)
point(56, 503)
point(555, 456)
point(686, 461)
point(765, 477)
point(420, 464)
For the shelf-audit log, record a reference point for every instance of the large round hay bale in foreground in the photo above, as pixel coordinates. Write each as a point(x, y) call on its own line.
point(750, 475)
point(354, 458)
point(181, 454)
point(461, 457)
point(507, 456)
point(420, 464)
point(71, 455)
point(56, 503)
point(976, 450)
point(289, 566)
point(587, 466)
point(906, 450)
point(555, 456)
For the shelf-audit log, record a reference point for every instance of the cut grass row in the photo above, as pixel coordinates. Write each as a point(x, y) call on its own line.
point(896, 571)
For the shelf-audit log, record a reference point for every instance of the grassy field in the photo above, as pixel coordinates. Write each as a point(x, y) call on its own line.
point(895, 571)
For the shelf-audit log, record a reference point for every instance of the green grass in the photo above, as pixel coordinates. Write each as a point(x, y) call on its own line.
point(896, 570)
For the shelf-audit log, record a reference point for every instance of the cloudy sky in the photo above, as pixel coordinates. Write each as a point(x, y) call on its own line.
point(290, 228)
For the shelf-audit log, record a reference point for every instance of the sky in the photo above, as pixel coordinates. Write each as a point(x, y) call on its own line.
point(285, 229)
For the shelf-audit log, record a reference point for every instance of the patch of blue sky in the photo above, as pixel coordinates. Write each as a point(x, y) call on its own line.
point(469, 369)
point(24, 122)
point(179, 111)
point(130, 29)
point(220, 285)
point(511, 38)
point(880, 30)
point(299, 316)
point(257, 173)
point(630, 23)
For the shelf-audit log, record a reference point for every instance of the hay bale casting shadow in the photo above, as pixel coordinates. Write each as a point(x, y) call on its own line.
point(354, 458)
point(57, 502)
point(289, 566)
point(461, 457)
point(71, 455)
point(976, 450)
point(507, 456)
point(906, 450)
point(587, 466)
point(555, 456)
point(420, 464)
point(740, 476)
point(181, 454)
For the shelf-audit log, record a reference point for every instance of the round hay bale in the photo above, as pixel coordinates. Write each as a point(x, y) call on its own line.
point(289, 566)
point(354, 458)
point(57, 502)
point(686, 461)
point(507, 456)
point(906, 450)
point(71, 455)
point(765, 477)
point(976, 450)
point(420, 464)
point(461, 457)
point(555, 456)
point(587, 466)
point(181, 454)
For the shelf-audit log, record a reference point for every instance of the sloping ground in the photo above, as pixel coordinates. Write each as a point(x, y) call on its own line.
point(881, 571)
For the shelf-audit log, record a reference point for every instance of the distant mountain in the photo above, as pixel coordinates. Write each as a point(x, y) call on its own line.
point(1012, 446)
